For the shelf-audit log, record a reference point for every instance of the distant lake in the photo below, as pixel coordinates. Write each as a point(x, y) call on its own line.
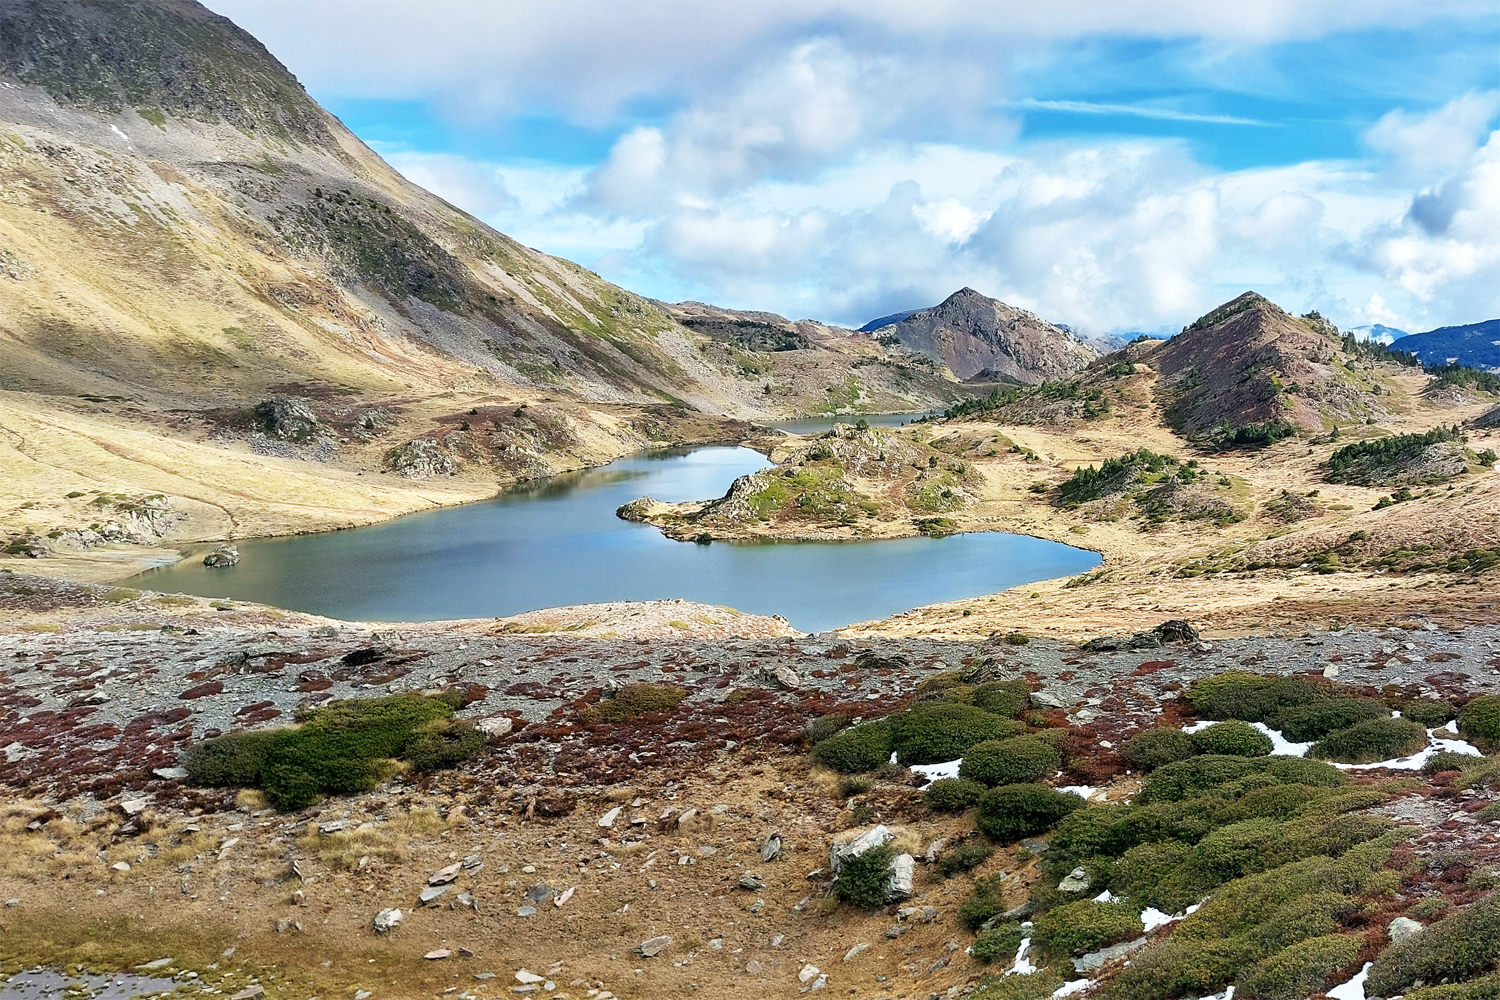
point(557, 542)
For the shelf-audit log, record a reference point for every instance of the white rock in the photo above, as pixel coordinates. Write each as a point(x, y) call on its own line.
point(787, 678)
point(121, 866)
point(899, 884)
point(387, 920)
point(855, 846)
point(1402, 928)
point(527, 978)
point(808, 973)
point(495, 726)
point(856, 951)
point(608, 819)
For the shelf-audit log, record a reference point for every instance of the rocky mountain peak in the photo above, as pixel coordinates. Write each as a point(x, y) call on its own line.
point(981, 337)
point(160, 57)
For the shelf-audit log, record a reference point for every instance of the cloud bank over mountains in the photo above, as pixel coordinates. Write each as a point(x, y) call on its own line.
point(1116, 166)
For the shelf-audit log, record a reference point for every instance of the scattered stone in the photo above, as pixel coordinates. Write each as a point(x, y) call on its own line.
point(160, 963)
point(899, 884)
point(808, 973)
point(1076, 881)
point(755, 907)
point(856, 951)
point(433, 893)
point(541, 894)
point(567, 895)
point(523, 977)
point(134, 807)
point(388, 920)
point(770, 848)
point(332, 826)
point(651, 947)
point(787, 678)
point(1098, 959)
point(935, 849)
point(121, 866)
point(752, 882)
point(608, 819)
point(896, 930)
point(848, 850)
point(250, 993)
point(1402, 928)
point(437, 954)
point(170, 773)
point(526, 911)
point(753, 967)
point(496, 726)
point(446, 875)
point(686, 816)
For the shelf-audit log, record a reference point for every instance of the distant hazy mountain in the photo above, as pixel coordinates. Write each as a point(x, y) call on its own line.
point(1476, 345)
point(1379, 333)
point(891, 320)
point(977, 336)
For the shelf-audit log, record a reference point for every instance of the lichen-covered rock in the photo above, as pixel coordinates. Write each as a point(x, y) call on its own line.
point(420, 458)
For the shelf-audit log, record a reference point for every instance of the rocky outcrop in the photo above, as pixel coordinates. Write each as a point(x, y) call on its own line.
point(975, 335)
point(222, 557)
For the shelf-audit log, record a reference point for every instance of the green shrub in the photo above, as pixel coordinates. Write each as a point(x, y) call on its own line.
point(999, 944)
point(343, 746)
point(1017, 638)
point(822, 728)
point(1011, 812)
point(233, 759)
point(1076, 928)
point(1233, 739)
point(1431, 714)
point(953, 795)
point(1006, 699)
point(1368, 462)
point(1487, 988)
point(1303, 968)
point(1447, 760)
point(1370, 741)
point(633, 701)
point(935, 732)
point(1274, 801)
point(1142, 873)
point(1232, 776)
point(985, 901)
point(863, 880)
point(1311, 916)
point(969, 854)
point(1010, 762)
point(1178, 966)
point(862, 748)
point(1312, 722)
point(1153, 748)
point(1250, 697)
point(854, 785)
point(1037, 986)
point(1480, 722)
point(443, 744)
point(1456, 948)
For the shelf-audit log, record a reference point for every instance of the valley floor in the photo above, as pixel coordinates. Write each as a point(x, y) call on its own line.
point(111, 862)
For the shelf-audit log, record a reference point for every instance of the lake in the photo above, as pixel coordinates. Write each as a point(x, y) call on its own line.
point(557, 542)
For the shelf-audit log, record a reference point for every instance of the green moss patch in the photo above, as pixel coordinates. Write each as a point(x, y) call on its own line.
point(633, 701)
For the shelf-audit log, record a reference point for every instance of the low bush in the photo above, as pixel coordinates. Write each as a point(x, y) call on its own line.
point(1077, 928)
point(862, 748)
point(1480, 722)
point(953, 795)
point(1007, 699)
point(1300, 969)
point(935, 732)
point(1153, 748)
point(1486, 988)
point(1250, 697)
point(1455, 948)
point(1429, 713)
point(970, 854)
point(445, 743)
point(863, 880)
point(828, 725)
point(1307, 723)
point(1233, 776)
point(854, 785)
point(633, 701)
point(1037, 986)
point(999, 944)
point(1143, 871)
point(1447, 760)
point(1233, 739)
point(1011, 812)
point(1370, 741)
point(985, 901)
point(1010, 762)
point(340, 747)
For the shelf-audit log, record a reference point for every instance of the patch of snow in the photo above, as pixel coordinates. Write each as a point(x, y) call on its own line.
point(932, 772)
point(1104, 897)
point(1198, 727)
point(1280, 745)
point(1417, 760)
point(1354, 989)
point(1082, 791)
point(1075, 986)
point(1152, 918)
point(1022, 966)
point(116, 130)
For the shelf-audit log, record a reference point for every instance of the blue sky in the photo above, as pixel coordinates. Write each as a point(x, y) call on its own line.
point(1117, 166)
